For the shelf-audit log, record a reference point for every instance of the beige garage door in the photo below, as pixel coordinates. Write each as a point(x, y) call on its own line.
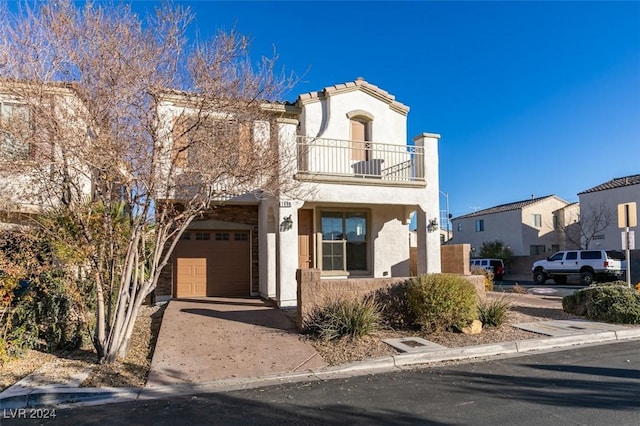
point(213, 263)
point(191, 277)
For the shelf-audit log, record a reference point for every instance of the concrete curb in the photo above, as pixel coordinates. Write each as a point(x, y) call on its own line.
point(66, 397)
point(56, 395)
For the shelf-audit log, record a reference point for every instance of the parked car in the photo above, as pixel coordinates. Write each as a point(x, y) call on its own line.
point(494, 265)
point(589, 264)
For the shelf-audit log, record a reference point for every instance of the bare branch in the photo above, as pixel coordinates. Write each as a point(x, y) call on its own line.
point(131, 135)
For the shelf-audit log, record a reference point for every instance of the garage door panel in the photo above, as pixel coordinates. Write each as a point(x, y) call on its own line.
point(227, 270)
point(230, 271)
point(191, 277)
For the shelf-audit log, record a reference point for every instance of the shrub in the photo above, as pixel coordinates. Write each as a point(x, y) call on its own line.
point(340, 318)
point(493, 313)
point(611, 302)
point(488, 277)
point(42, 306)
point(442, 301)
point(394, 306)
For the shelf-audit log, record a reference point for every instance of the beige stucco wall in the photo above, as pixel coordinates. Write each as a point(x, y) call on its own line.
point(513, 227)
point(327, 118)
point(505, 226)
point(544, 235)
point(612, 197)
point(26, 186)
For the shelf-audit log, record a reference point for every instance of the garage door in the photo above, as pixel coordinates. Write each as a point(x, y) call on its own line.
point(213, 263)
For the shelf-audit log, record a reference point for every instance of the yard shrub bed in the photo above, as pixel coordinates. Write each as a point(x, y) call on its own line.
point(442, 301)
point(343, 318)
point(610, 302)
point(493, 313)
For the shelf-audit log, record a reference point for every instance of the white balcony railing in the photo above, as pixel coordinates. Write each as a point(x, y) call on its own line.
point(356, 159)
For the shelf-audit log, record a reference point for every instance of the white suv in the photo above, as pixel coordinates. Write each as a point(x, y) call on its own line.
point(590, 264)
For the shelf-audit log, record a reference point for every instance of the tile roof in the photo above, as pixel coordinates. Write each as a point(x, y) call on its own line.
point(358, 84)
point(615, 183)
point(507, 207)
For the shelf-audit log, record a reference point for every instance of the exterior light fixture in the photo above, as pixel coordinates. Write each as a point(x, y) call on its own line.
point(286, 224)
point(432, 225)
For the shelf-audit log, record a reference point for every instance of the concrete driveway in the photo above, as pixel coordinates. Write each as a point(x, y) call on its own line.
point(208, 339)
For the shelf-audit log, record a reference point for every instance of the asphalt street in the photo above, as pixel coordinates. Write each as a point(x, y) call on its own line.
point(593, 385)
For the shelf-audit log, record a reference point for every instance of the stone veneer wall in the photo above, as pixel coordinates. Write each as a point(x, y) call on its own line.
point(314, 291)
point(245, 214)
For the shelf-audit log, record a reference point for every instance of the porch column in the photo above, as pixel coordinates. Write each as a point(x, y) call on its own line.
point(286, 216)
point(267, 249)
point(428, 213)
point(287, 253)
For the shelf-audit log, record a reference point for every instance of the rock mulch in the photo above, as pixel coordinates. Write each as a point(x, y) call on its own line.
point(59, 367)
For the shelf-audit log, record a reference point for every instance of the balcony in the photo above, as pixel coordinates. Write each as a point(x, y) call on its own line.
point(359, 162)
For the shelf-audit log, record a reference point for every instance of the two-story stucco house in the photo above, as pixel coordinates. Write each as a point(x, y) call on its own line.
point(609, 195)
point(359, 179)
point(528, 227)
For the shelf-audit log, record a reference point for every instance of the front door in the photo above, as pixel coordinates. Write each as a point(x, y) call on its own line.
point(305, 239)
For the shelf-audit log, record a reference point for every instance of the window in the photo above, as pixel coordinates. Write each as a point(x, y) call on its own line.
point(536, 220)
point(344, 241)
point(459, 227)
point(241, 236)
point(222, 236)
point(572, 255)
point(194, 142)
point(535, 250)
point(479, 225)
point(555, 221)
point(203, 236)
point(591, 255)
point(556, 257)
point(555, 248)
point(186, 236)
point(15, 121)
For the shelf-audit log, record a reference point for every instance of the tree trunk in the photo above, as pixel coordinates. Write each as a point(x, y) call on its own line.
point(100, 333)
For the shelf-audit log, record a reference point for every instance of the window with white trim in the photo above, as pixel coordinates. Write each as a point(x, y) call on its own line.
point(536, 220)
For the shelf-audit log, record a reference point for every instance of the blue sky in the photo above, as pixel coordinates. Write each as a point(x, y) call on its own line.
point(529, 97)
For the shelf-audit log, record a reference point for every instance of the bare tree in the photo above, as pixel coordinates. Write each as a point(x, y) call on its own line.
point(581, 228)
point(134, 134)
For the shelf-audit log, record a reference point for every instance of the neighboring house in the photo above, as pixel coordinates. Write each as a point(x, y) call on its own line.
point(360, 180)
point(28, 153)
point(528, 227)
point(609, 195)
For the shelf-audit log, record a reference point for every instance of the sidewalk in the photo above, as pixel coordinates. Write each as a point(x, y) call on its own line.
point(555, 334)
